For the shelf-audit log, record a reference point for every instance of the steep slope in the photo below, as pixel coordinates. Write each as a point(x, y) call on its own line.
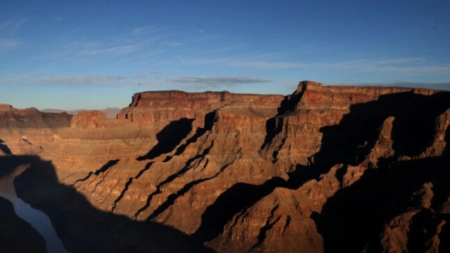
point(326, 169)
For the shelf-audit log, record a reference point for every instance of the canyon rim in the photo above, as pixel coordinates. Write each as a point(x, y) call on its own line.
point(325, 169)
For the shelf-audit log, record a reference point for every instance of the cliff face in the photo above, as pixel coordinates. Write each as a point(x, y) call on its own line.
point(26, 131)
point(334, 169)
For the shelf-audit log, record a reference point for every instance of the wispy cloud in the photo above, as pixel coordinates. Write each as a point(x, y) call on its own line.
point(238, 62)
point(123, 49)
point(429, 85)
point(7, 44)
point(59, 18)
point(12, 25)
point(96, 49)
point(268, 65)
point(220, 80)
point(145, 29)
point(172, 44)
point(91, 79)
point(76, 50)
point(407, 66)
point(20, 23)
point(411, 65)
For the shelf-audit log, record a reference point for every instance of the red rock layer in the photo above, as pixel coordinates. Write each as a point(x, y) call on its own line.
point(27, 131)
point(264, 173)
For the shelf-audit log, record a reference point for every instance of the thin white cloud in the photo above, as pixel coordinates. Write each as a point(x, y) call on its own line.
point(268, 65)
point(19, 23)
point(172, 44)
point(122, 49)
point(81, 79)
point(394, 65)
point(7, 44)
point(12, 25)
point(59, 18)
point(220, 80)
point(238, 62)
point(91, 79)
point(95, 49)
point(408, 66)
point(148, 78)
point(4, 25)
point(98, 50)
point(428, 85)
point(143, 30)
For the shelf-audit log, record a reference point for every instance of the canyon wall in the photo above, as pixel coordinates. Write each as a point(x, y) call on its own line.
point(325, 169)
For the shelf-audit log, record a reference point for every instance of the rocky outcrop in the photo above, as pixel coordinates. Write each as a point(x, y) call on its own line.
point(12, 118)
point(27, 131)
point(111, 112)
point(89, 119)
point(334, 169)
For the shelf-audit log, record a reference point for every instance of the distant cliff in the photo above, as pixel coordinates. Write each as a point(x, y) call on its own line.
point(111, 112)
point(325, 169)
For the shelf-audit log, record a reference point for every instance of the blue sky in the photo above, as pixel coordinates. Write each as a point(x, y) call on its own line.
point(96, 54)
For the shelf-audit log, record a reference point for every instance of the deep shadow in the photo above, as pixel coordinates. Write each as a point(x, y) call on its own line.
point(355, 216)
point(422, 229)
point(237, 198)
point(445, 233)
point(413, 128)
point(447, 140)
point(103, 169)
point(174, 196)
point(128, 183)
point(169, 137)
point(4, 148)
point(106, 166)
point(241, 196)
point(9, 163)
point(441, 193)
point(380, 193)
point(350, 220)
point(172, 177)
point(16, 235)
point(83, 228)
point(210, 118)
point(274, 125)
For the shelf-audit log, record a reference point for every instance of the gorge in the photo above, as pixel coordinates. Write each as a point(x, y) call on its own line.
point(325, 169)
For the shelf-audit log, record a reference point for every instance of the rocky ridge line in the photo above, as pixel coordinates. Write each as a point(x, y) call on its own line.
point(256, 173)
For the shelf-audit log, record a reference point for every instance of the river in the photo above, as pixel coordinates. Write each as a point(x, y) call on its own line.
point(35, 217)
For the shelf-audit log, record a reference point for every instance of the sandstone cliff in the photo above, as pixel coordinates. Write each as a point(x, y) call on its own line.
point(326, 169)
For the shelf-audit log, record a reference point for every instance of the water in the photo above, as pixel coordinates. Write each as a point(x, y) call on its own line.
point(35, 217)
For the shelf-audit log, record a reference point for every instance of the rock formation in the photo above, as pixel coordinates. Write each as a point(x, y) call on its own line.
point(325, 169)
point(111, 112)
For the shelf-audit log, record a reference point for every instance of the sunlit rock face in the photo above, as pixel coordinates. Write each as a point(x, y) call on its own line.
point(325, 169)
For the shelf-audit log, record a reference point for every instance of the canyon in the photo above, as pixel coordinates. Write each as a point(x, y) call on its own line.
point(325, 169)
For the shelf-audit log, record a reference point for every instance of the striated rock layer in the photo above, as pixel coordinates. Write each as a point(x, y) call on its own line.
point(326, 169)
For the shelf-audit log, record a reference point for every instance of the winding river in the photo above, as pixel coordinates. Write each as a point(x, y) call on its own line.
point(35, 217)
